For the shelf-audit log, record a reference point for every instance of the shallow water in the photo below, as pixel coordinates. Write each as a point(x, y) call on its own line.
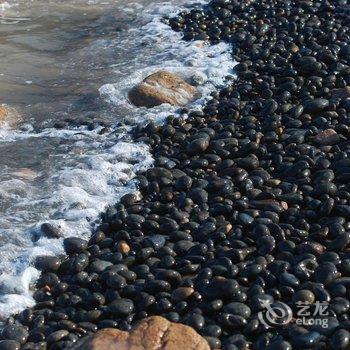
point(64, 64)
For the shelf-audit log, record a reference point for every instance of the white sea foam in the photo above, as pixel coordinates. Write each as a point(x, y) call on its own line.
point(196, 60)
point(3, 6)
point(97, 169)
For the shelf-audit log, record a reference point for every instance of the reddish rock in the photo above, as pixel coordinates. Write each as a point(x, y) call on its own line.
point(123, 247)
point(265, 204)
point(8, 116)
point(162, 87)
point(154, 333)
point(181, 293)
point(327, 137)
point(294, 48)
point(4, 112)
point(105, 339)
point(227, 227)
point(311, 247)
point(284, 205)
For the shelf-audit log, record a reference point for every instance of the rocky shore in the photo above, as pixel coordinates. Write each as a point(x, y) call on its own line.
point(245, 211)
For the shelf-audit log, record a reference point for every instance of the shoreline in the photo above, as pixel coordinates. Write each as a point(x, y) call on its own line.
point(102, 161)
point(247, 201)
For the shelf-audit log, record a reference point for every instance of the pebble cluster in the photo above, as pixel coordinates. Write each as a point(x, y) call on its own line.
point(248, 202)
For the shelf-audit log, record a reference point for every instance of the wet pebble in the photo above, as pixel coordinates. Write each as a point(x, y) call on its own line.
point(316, 105)
point(220, 288)
point(50, 231)
point(340, 339)
point(9, 345)
point(57, 336)
point(47, 263)
point(74, 245)
point(121, 307)
point(15, 332)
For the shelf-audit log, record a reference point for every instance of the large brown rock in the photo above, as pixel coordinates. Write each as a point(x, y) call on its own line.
point(8, 116)
point(154, 333)
point(105, 339)
point(4, 112)
point(162, 87)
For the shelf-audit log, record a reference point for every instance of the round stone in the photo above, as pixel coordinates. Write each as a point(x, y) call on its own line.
point(47, 263)
point(304, 296)
point(121, 307)
point(57, 336)
point(74, 245)
point(15, 332)
point(9, 345)
point(236, 308)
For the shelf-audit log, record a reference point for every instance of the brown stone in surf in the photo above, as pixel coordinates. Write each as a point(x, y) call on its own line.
point(4, 112)
point(162, 87)
point(8, 116)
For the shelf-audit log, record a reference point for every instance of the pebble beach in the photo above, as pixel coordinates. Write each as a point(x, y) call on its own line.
point(244, 217)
